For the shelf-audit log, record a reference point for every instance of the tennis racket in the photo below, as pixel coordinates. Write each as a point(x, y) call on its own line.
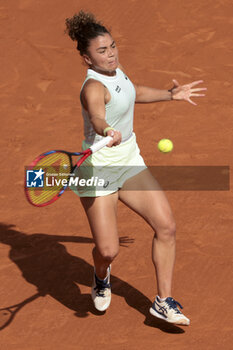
point(56, 162)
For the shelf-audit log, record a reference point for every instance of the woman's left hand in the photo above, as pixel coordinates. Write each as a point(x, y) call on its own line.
point(184, 92)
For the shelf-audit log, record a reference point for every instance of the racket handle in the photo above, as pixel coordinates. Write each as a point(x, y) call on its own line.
point(98, 145)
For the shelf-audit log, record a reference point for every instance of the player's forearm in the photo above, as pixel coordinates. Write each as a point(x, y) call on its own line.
point(146, 94)
point(99, 124)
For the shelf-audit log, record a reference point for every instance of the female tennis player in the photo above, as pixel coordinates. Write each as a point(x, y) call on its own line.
point(108, 98)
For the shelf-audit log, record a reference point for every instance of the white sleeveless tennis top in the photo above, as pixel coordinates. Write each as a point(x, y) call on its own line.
point(120, 108)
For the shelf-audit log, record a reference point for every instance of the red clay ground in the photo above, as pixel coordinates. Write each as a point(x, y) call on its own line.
point(50, 249)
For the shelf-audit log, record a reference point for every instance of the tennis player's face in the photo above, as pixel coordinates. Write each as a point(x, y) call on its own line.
point(102, 55)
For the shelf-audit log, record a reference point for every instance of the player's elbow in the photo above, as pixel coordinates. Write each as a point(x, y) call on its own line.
point(139, 94)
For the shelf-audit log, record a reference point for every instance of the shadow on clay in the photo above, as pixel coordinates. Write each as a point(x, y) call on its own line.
point(45, 263)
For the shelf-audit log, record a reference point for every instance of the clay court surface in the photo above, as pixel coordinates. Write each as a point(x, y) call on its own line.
point(45, 254)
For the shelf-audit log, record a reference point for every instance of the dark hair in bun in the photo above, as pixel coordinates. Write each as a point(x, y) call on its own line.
point(83, 27)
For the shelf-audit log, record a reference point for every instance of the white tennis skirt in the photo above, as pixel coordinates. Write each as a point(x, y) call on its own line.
point(105, 171)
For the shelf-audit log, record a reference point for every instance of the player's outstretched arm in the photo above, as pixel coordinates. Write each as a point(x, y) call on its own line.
point(146, 94)
point(178, 92)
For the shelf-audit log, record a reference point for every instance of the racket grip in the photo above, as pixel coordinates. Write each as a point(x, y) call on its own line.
point(98, 145)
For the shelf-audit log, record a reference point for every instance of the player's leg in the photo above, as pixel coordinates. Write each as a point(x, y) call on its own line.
point(101, 213)
point(150, 202)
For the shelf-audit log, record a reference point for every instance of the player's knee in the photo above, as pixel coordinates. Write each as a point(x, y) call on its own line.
point(109, 253)
point(167, 232)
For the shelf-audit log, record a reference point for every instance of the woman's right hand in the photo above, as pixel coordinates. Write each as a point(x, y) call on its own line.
point(116, 135)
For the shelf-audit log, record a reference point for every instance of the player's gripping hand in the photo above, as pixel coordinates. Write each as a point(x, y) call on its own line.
point(116, 135)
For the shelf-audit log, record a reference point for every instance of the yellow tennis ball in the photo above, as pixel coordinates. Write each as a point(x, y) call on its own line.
point(165, 145)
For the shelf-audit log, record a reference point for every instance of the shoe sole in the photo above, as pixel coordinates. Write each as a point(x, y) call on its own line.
point(156, 314)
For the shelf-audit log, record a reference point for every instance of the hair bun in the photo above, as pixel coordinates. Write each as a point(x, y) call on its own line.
point(76, 24)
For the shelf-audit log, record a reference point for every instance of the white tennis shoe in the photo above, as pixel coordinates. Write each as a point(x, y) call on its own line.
point(101, 291)
point(168, 311)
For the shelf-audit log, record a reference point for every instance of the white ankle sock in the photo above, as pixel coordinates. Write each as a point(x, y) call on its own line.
point(161, 299)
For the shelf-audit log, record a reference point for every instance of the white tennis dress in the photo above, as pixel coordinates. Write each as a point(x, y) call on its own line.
point(114, 165)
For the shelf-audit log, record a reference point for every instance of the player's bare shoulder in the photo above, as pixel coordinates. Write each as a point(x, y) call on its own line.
point(91, 86)
point(92, 90)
